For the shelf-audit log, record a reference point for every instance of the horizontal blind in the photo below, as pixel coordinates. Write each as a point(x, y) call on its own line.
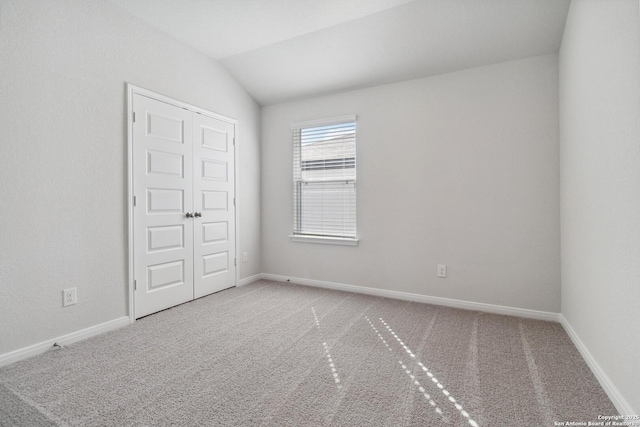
point(324, 179)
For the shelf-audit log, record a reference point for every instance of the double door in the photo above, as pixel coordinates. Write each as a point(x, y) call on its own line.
point(184, 204)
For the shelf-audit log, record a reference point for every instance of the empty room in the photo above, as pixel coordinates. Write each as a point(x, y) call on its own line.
point(320, 213)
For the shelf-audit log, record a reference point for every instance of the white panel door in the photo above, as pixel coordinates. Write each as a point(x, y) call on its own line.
point(163, 191)
point(214, 205)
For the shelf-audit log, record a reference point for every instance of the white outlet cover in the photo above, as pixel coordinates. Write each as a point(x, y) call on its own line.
point(69, 297)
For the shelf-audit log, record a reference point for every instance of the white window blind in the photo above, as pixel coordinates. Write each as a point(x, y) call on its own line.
point(324, 178)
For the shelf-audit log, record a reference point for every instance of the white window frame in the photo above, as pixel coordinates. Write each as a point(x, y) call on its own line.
point(306, 238)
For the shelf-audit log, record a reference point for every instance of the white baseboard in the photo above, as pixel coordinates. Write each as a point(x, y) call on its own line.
point(250, 279)
point(448, 302)
point(35, 349)
point(612, 391)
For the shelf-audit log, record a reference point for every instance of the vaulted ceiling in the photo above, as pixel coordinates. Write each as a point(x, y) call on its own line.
point(281, 50)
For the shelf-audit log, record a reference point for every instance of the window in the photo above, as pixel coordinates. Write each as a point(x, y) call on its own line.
point(324, 181)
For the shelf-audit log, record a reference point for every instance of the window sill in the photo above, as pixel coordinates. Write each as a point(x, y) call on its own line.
point(325, 240)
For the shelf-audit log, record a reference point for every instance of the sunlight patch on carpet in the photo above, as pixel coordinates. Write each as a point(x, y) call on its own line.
point(440, 386)
point(332, 365)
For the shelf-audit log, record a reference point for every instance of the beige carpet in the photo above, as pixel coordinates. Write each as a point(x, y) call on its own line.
point(285, 355)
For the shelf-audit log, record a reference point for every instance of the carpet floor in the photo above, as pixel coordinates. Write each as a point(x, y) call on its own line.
point(276, 354)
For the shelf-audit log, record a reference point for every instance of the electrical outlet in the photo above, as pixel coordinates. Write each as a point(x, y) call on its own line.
point(245, 257)
point(69, 297)
point(442, 270)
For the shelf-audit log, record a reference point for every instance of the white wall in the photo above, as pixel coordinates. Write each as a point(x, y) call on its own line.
point(459, 169)
point(600, 185)
point(63, 161)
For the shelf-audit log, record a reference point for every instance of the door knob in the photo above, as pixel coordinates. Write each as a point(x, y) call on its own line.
point(197, 214)
point(189, 215)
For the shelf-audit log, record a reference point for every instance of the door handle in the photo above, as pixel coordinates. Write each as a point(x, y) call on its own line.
point(197, 214)
point(189, 215)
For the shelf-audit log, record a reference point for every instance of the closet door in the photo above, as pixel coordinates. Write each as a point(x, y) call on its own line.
point(214, 205)
point(163, 190)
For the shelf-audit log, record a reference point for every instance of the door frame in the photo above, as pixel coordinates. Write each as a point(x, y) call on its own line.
point(136, 90)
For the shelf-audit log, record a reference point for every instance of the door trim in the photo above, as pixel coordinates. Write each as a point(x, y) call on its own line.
point(136, 90)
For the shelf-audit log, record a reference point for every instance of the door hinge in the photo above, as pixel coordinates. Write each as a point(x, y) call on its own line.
point(134, 117)
point(135, 285)
point(234, 261)
point(234, 201)
point(134, 200)
point(234, 140)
